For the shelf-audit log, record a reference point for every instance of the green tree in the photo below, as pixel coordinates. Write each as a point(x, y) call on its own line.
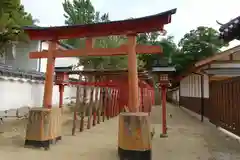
point(201, 43)
point(12, 18)
point(196, 45)
point(83, 12)
point(167, 44)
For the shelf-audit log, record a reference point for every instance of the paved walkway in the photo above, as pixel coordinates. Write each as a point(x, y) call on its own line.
point(188, 139)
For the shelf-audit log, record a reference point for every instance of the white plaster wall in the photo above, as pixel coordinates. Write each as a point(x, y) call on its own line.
point(226, 65)
point(15, 94)
point(190, 86)
point(175, 95)
point(21, 60)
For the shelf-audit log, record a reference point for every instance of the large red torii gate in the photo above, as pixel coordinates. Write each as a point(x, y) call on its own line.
point(130, 28)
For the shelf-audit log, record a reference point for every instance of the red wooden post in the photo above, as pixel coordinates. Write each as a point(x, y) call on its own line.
point(107, 104)
point(103, 93)
point(142, 105)
point(94, 113)
point(99, 105)
point(164, 121)
point(61, 90)
point(110, 102)
point(117, 103)
point(113, 103)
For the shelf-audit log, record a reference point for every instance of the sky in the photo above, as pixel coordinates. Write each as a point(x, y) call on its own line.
point(190, 13)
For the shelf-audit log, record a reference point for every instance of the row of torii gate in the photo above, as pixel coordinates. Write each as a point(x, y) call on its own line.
point(134, 133)
point(110, 96)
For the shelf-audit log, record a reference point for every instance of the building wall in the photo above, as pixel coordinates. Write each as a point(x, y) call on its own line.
point(190, 93)
point(15, 94)
point(22, 60)
point(226, 65)
point(173, 95)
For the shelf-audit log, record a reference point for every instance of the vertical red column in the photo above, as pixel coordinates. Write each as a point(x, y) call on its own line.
point(61, 90)
point(117, 102)
point(164, 110)
point(107, 103)
point(114, 103)
point(95, 110)
point(142, 107)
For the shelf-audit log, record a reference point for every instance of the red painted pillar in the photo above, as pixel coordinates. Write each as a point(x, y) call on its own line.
point(117, 102)
point(61, 90)
point(94, 113)
point(112, 102)
point(164, 110)
point(107, 103)
point(142, 105)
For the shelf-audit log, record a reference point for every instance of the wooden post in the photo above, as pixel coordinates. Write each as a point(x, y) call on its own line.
point(134, 139)
point(83, 109)
point(164, 121)
point(48, 87)
point(107, 104)
point(61, 90)
point(94, 107)
point(75, 110)
point(90, 109)
point(142, 105)
point(114, 102)
point(99, 106)
point(103, 104)
point(132, 74)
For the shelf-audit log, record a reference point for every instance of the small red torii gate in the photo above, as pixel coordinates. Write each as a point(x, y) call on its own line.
point(146, 90)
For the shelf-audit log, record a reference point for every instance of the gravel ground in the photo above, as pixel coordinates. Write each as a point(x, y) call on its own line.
point(188, 139)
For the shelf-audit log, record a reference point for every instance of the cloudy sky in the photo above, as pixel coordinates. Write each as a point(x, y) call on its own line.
point(190, 13)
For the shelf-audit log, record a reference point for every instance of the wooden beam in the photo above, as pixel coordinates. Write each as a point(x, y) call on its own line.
point(218, 78)
point(226, 61)
point(122, 50)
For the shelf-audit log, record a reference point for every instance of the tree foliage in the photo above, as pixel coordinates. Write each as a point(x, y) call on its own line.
point(194, 46)
point(83, 12)
point(12, 18)
point(201, 43)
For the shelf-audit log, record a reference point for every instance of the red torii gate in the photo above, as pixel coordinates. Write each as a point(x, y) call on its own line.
point(114, 80)
point(129, 27)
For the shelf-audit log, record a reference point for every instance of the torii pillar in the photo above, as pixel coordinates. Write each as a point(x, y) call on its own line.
point(48, 86)
point(133, 103)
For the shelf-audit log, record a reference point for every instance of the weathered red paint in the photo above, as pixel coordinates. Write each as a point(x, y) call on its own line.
point(164, 121)
point(61, 90)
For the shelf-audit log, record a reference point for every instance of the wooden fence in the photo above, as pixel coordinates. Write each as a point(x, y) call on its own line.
point(225, 104)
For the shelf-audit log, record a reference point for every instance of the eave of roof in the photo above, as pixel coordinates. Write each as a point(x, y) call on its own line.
point(138, 25)
point(217, 56)
point(230, 30)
